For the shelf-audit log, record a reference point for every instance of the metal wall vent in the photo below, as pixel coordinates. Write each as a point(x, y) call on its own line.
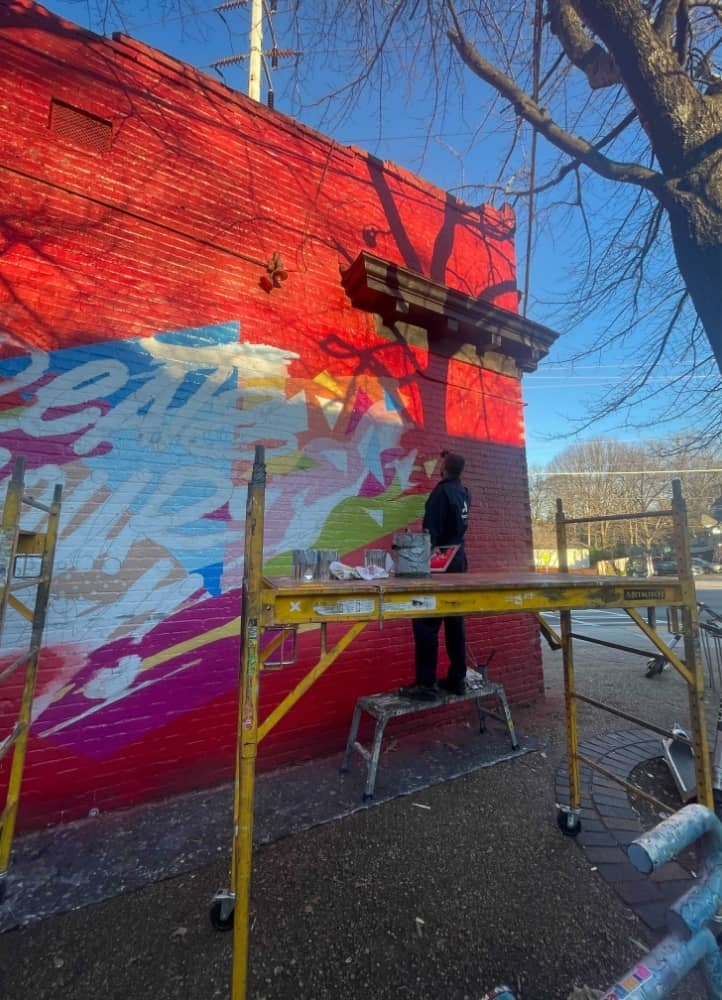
point(80, 126)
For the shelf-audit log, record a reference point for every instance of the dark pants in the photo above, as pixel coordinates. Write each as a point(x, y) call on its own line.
point(426, 639)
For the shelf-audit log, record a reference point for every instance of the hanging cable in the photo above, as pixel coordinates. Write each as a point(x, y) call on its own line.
point(536, 66)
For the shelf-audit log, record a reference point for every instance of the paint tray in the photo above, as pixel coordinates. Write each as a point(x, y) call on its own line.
point(441, 559)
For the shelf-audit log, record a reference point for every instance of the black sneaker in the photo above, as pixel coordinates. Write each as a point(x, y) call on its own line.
point(419, 692)
point(452, 686)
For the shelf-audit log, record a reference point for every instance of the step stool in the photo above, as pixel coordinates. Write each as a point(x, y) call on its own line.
point(391, 704)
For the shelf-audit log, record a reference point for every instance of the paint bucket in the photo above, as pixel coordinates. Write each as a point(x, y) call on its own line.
point(500, 993)
point(305, 562)
point(412, 551)
point(375, 558)
point(323, 566)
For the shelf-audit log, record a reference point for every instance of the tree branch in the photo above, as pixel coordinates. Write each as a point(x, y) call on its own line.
point(576, 147)
point(664, 22)
point(587, 55)
point(562, 172)
point(674, 114)
point(682, 40)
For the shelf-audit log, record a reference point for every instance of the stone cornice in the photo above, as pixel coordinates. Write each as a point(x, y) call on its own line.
point(397, 294)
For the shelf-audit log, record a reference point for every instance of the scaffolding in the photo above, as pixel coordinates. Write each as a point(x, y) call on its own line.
point(26, 564)
point(684, 613)
point(278, 606)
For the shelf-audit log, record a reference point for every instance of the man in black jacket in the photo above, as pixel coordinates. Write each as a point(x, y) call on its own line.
point(446, 517)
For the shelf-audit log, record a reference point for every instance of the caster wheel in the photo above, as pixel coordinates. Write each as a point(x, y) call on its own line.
point(655, 666)
point(218, 921)
point(569, 829)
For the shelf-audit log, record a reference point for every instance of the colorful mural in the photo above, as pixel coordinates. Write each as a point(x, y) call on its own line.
point(152, 440)
point(152, 433)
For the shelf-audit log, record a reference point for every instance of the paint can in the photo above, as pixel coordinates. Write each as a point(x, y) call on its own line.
point(375, 557)
point(305, 563)
point(412, 551)
point(323, 566)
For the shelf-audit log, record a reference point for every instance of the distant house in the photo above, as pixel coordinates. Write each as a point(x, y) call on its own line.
point(185, 274)
point(547, 558)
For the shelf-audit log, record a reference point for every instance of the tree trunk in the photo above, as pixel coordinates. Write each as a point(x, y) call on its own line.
point(694, 205)
point(684, 127)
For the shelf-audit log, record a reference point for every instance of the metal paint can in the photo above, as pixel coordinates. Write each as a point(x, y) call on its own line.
point(323, 567)
point(305, 564)
point(375, 557)
point(412, 551)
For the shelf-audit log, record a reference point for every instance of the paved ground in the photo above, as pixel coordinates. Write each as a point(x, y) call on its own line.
point(610, 823)
point(393, 901)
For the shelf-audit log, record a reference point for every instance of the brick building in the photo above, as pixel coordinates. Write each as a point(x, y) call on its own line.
point(184, 274)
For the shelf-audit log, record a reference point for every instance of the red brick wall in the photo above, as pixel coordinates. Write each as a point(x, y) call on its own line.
point(143, 361)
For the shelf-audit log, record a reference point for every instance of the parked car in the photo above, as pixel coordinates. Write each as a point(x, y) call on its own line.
point(665, 567)
point(700, 567)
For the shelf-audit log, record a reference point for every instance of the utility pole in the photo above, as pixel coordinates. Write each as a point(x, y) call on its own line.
point(257, 65)
point(256, 50)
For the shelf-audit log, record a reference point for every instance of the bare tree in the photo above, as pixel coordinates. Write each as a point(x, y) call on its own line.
point(624, 91)
point(699, 471)
point(627, 96)
point(602, 476)
point(676, 95)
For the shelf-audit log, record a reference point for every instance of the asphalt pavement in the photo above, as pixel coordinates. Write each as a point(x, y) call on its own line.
point(442, 894)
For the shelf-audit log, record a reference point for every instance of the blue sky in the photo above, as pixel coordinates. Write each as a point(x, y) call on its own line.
point(557, 396)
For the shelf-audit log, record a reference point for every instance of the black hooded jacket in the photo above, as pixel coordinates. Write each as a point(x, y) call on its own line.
point(446, 518)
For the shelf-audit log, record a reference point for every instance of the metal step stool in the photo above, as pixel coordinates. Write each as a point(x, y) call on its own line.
point(391, 704)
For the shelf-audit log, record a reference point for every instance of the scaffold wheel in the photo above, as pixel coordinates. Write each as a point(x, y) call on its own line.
point(569, 824)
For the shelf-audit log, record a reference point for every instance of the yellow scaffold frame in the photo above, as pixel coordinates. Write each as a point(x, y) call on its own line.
point(282, 603)
point(15, 544)
point(690, 668)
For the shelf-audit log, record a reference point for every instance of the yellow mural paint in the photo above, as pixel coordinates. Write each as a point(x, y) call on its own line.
point(61, 692)
point(290, 462)
point(323, 378)
point(277, 382)
point(232, 628)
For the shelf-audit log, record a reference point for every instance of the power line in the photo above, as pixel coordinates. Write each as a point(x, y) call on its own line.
point(590, 380)
point(536, 72)
point(179, 17)
point(630, 472)
point(571, 366)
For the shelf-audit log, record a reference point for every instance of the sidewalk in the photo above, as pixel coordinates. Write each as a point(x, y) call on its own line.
point(438, 893)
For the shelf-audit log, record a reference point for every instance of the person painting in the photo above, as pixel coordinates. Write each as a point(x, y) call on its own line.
point(446, 517)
